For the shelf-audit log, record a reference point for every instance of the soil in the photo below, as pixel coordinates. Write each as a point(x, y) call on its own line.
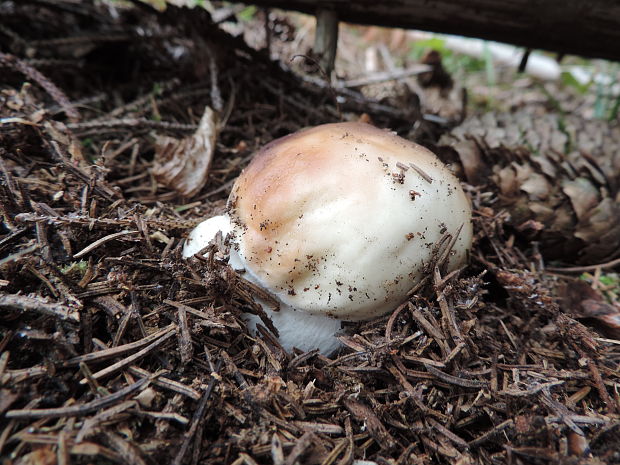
point(114, 349)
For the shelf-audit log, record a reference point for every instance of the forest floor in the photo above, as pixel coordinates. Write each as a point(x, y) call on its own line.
point(114, 349)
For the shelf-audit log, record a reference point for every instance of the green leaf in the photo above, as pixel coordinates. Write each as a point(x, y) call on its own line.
point(247, 13)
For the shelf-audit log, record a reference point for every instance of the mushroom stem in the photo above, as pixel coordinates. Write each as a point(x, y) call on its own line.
point(302, 330)
point(297, 329)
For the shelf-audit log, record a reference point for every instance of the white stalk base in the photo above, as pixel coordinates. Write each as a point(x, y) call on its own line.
point(301, 330)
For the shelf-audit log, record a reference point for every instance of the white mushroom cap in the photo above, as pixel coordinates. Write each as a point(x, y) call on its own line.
point(339, 221)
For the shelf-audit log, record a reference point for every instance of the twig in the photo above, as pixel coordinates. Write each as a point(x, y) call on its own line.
point(51, 88)
point(302, 358)
point(430, 329)
point(118, 350)
point(4, 361)
point(460, 346)
point(447, 433)
point(166, 383)
point(185, 337)
point(377, 78)
point(18, 376)
point(99, 186)
point(131, 454)
point(102, 416)
point(327, 81)
point(583, 419)
point(584, 269)
point(315, 427)
point(335, 452)
point(216, 95)
point(132, 123)
point(17, 255)
point(89, 222)
point(131, 359)
point(422, 173)
point(277, 454)
point(447, 311)
point(33, 304)
point(561, 410)
point(138, 104)
point(80, 409)
point(198, 416)
point(531, 391)
point(469, 383)
point(600, 386)
point(489, 434)
point(367, 416)
point(390, 323)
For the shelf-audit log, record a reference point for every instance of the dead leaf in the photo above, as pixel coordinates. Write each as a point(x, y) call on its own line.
point(183, 165)
point(581, 301)
point(582, 194)
point(471, 159)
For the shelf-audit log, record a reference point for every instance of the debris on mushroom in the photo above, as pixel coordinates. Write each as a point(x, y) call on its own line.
point(339, 222)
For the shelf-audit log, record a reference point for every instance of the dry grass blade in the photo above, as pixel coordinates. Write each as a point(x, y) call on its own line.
point(103, 240)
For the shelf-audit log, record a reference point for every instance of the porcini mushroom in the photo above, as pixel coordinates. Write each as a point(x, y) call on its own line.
point(338, 222)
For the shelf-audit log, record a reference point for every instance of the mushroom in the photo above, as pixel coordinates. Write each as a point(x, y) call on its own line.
point(338, 223)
